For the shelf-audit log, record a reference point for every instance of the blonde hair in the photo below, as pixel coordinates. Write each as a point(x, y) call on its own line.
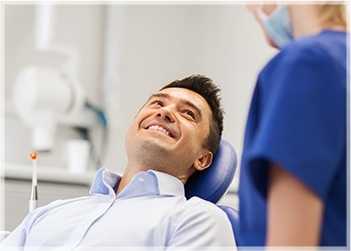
point(333, 14)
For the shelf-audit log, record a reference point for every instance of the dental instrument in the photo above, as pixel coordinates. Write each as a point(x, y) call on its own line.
point(33, 200)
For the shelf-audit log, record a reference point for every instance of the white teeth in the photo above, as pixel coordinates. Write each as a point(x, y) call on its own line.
point(159, 128)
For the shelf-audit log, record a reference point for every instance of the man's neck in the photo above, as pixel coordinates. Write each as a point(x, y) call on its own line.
point(126, 178)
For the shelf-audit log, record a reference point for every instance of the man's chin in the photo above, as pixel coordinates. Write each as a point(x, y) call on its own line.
point(155, 145)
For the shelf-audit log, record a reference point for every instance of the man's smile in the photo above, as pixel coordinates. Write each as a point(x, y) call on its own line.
point(160, 129)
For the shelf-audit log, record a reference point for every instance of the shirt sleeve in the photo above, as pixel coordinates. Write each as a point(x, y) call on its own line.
point(302, 118)
point(202, 225)
point(18, 237)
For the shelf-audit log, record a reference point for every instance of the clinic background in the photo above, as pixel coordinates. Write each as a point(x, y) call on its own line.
point(125, 52)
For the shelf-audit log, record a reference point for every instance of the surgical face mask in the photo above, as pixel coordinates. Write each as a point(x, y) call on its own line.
point(277, 25)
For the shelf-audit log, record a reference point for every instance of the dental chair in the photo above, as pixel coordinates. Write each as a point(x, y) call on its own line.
point(212, 183)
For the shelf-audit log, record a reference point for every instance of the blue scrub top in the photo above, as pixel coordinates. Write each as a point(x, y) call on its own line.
point(297, 119)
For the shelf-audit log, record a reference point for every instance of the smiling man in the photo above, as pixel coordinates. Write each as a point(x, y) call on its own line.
point(176, 133)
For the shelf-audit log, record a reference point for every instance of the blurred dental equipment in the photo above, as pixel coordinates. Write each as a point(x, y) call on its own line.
point(45, 96)
point(33, 200)
point(41, 98)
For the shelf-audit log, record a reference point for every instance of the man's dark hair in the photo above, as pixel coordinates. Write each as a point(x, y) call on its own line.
point(205, 87)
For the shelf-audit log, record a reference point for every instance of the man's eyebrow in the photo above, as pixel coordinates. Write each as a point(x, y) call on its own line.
point(184, 101)
point(159, 95)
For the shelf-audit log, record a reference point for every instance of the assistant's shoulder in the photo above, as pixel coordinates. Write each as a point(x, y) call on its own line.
point(326, 47)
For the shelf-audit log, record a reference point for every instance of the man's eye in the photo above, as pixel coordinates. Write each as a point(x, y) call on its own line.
point(190, 113)
point(157, 102)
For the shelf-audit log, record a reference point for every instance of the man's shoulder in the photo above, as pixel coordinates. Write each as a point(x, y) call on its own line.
point(203, 206)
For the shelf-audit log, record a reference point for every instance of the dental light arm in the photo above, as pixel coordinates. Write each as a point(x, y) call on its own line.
point(42, 97)
point(45, 96)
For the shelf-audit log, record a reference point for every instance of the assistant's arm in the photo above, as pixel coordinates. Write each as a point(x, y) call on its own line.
point(294, 211)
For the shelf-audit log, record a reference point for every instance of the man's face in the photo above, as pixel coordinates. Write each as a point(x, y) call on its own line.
point(169, 132)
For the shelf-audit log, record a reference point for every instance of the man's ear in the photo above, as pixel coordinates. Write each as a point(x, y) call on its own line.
point(204, 160)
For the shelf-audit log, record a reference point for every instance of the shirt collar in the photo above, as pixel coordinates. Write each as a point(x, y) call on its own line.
point(168, 184)
point(106, 182)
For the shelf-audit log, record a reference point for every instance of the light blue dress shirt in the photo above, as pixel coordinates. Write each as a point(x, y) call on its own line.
point(151, 213)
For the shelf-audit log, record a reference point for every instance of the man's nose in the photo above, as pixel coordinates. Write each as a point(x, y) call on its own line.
point(166, 113)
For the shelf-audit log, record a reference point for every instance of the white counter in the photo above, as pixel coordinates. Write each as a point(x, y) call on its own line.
point(47, 174)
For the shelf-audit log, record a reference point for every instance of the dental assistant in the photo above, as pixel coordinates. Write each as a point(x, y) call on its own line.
point(293, 176)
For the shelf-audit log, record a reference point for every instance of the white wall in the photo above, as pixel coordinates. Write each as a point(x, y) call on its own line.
point(156, 45)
